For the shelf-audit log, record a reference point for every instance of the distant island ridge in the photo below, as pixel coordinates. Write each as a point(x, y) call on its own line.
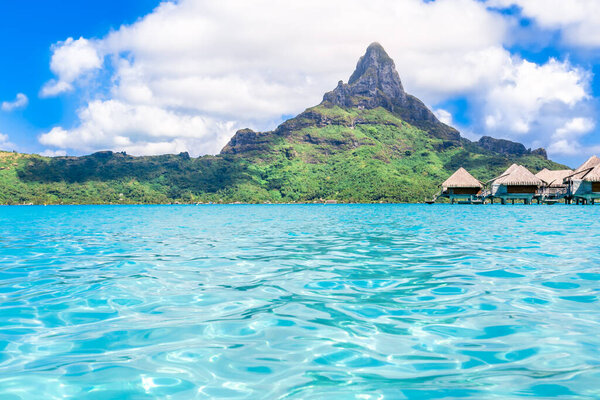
point(367, 141)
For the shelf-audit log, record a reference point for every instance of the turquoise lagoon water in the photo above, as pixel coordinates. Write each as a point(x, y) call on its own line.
point(300, 302)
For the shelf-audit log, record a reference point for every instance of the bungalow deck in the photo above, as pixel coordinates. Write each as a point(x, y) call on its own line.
point(517, 184)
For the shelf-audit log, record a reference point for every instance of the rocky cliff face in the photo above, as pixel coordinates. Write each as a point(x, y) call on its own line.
point(376, 83)
point(507, 147)
point(243, 141)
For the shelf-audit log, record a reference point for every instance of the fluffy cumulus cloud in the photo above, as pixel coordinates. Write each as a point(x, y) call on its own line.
point(566, 138)
point(71, 59)
point(186, 76)
point(526, 92)
point(137, 129)
point(579, 20)
point(19, 102)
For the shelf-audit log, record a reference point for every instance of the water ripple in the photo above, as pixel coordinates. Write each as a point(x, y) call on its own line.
point(299, 302)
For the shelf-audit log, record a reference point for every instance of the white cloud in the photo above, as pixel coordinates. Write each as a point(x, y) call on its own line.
point(20, 101)
point(523, 91)
point(54, 88)
point(572, 148)
point(187, 75)
point(53, 153)
point(575, 128)
point(5, 143)
point(233, 64)
point(140, 129)
point(578, 19)
point(566, 139)
point(443, 116)
point(70, 60)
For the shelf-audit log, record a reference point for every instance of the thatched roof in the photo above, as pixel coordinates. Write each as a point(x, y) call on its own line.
point(461, 179)
point(554, 178)
point(510, 169)
point(590, 163)
point(593, 175)
point(586, 167)
point(518, 175)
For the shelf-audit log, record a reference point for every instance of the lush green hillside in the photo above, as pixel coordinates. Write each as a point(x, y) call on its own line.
point(365, 155)
point(368, 141)
point(116, 178)
point(352, 155)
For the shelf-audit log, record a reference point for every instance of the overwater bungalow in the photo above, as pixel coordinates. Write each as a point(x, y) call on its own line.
point(584, 183)
point(554, 186)
point(461, 186)
point(516, 183)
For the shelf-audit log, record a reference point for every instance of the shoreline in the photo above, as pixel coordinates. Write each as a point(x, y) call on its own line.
point(263, 204)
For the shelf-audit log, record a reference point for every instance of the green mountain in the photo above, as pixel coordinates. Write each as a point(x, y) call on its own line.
point(368, 141)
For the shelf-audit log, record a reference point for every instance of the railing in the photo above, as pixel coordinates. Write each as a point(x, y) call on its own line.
point(435, 197)
point(552, 193)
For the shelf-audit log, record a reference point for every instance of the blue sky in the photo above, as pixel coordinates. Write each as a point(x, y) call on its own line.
point(28, 29)
point(150, 77)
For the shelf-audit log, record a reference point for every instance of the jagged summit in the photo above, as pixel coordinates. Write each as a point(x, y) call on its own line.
point(375, 80)
point(376, 83)
point(374, 56)
point(377, 71)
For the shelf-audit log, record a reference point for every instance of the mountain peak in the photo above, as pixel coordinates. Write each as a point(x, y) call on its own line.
point(376, 71)
point(374, 57)
point(376, 83)
point(377, 62)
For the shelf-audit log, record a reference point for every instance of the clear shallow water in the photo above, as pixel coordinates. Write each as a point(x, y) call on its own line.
point(300, 302)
